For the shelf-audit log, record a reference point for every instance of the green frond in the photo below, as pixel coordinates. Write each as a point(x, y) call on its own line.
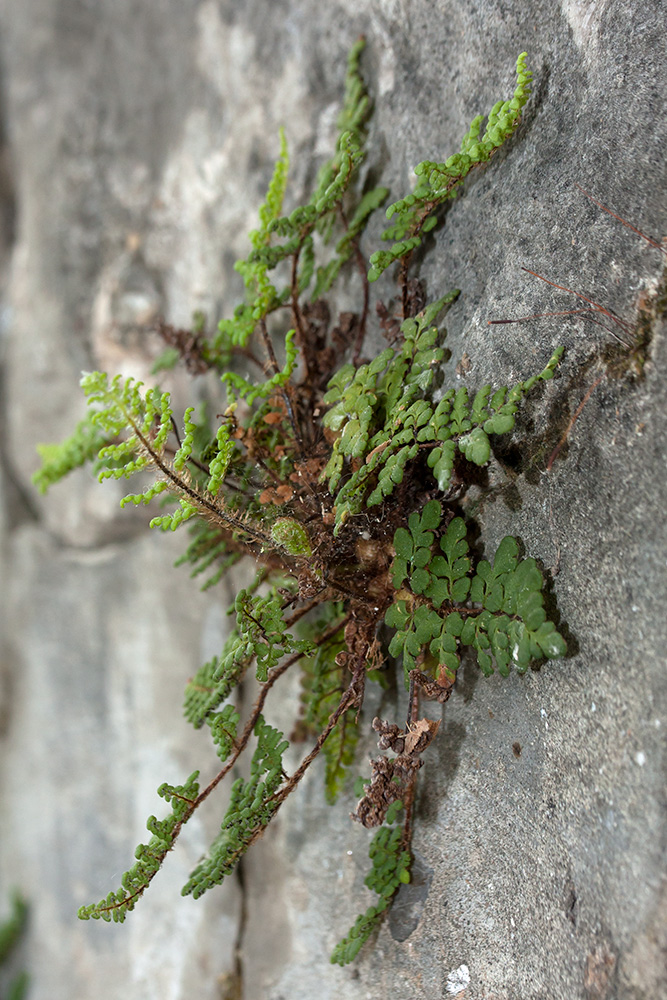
point(11, 930)
point(223, 730)
point(250, 809)
point(253, 391)
point(513, 626)
point(391, 868)
point(170, 522)
point(414, 215)
point(219, 464)
point(273, 204)
point(215, 680)
point(262, 632)
point(119, 408)
point(499, 611)
point(382, 415)
point(208, 548)
point(12, 927)
point(352, 121)
point(149, 856)
point(58, 460)
point(323, 682)
point(18, 987)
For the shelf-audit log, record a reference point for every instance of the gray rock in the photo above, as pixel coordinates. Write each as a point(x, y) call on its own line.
point(138, 142)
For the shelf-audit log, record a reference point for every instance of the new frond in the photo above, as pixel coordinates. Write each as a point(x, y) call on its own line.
point(58, 460)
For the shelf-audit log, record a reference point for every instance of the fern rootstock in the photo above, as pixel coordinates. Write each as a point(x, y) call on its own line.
point(343, 484)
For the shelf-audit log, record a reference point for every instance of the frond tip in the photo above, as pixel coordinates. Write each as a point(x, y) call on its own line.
point(391, 868)
point(149, 856)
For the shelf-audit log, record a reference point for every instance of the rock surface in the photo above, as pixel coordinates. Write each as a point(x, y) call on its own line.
point(137, 142)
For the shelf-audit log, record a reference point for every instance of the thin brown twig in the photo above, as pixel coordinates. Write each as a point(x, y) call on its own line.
point(623, 221)
point(595, 305)
point(297, 315)
point(284, 391)
point(361, 267)
point(526, 319)
point(554, 454)
point(410, 792)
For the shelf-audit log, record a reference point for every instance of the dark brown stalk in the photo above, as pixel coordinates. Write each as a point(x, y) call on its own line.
point(362, 268)
point(297, 315)
point(284, 391)
point(623, 221)
point(577, 413)
point(595, 305)
point(409, 797)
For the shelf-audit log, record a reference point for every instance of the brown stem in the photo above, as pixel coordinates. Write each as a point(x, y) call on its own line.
point(247, 353)
point(350, 697)
point(361, 264)
point(361, 267)
point(302, 611)
point(284, 391)
point(604, 208)
point(252, 721)
point(403, 280)
point(298, 316)
point(409, 797)
point(577, 413)
point(595, 305)
point(196, 497)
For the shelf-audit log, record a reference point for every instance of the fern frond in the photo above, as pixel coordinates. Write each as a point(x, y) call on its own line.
point(383, 412)
point(511, 625)
point(414, 215)
point(273, 204)
point(251, 391)
point(149, 856)
point(323, 682)
point(12, 927)
point(223, 730)
point(216, 679)
point(263, 633)
point(391, 868)
point(250, 810)
point(58, 460)
point(209, 546)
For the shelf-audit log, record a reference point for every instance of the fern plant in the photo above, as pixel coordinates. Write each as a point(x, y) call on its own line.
point(343, 485)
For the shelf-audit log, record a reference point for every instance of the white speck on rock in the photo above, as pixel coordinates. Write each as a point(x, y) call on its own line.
point(640, 758)
point(458, 980)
